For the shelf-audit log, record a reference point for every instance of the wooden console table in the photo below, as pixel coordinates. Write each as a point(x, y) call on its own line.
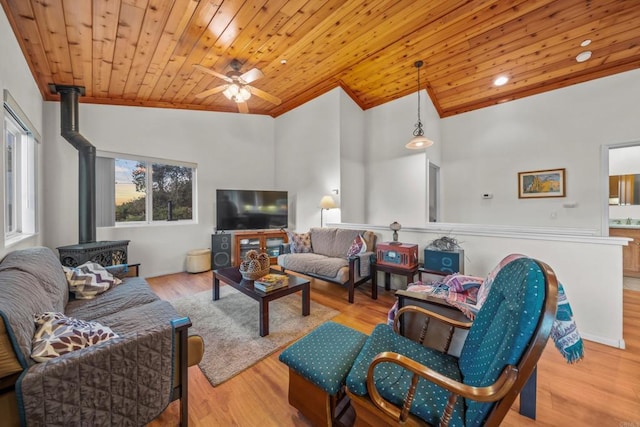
point(268, 241)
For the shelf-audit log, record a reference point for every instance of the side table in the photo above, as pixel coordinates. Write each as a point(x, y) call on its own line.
point(422, 270)
point(388, 270)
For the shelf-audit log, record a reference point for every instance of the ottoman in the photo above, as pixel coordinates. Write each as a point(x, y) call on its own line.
point(318, 366)
point(198, 260)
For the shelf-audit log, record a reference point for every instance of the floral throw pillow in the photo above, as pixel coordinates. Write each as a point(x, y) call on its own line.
point(358, 246)
point(300, 243)
point(57, 334)
point(89, 279)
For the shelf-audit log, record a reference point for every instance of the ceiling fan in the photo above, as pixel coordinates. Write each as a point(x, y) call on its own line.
point(237, 88)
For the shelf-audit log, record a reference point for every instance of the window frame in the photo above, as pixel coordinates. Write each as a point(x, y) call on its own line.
point(25, 192)
point(149, 161)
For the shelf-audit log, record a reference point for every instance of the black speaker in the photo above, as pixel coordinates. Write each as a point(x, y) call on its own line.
point(220, 250)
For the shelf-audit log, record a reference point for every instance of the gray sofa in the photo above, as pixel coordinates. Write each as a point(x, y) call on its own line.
point(328, 259)
point(128, 380)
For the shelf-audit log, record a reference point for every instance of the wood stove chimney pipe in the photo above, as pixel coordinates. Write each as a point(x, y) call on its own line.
point(86, 160)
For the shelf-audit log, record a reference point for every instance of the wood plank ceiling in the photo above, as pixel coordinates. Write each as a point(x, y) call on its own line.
point(142, 52)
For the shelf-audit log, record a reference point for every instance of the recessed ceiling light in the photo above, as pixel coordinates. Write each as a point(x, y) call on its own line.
point(501, 80)
point(583, 56)
point(283, 61)
point(585, 43)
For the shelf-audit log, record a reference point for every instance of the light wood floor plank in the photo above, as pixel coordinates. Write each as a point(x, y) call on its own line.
point(601, 390)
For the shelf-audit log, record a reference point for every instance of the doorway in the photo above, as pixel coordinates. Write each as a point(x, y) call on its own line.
point(433, 185)
point(623, 205)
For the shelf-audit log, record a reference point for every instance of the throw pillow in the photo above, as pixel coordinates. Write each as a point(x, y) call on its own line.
point(358, 246)
point(57, 334)
point(89, 279)
point(300, 242)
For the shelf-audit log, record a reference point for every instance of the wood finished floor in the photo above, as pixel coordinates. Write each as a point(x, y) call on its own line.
point(601, 390)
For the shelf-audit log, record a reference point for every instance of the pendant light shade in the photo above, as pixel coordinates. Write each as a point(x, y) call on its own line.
point(419, 140)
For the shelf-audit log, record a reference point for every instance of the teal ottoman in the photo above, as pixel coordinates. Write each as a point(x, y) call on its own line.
point(318, 366)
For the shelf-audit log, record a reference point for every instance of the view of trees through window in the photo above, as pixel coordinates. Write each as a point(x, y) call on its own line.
point(171, 191)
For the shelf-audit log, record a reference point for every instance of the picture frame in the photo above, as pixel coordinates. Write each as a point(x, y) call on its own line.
point(541, 183)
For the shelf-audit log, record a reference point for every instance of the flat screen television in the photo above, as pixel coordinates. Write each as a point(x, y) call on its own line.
point(251, 209)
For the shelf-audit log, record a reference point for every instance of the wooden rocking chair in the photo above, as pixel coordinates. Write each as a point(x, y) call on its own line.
point(395, 380)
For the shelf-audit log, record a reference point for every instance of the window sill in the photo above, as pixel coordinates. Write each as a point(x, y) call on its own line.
point(17, 238)
point(152, 224)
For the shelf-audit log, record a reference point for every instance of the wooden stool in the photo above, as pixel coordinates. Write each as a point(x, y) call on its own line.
point(318, 366)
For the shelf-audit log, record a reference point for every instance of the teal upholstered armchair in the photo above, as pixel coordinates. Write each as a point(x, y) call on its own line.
point(395, 379)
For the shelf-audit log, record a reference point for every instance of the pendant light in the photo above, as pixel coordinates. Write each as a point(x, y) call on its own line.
point(418, 141)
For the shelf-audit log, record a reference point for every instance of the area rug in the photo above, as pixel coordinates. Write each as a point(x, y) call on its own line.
point(231, 330)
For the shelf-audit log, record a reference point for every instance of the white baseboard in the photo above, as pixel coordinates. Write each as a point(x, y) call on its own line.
point(606, 341)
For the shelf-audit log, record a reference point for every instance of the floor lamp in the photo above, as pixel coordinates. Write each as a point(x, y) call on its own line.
point(326, 202)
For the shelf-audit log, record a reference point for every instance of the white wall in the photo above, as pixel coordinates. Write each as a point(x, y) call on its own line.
point(396, 178)
point(564, 128)
point(230, 150)
point(352, 160)
point(624, 160)
point(307, 158)
point(15, 77)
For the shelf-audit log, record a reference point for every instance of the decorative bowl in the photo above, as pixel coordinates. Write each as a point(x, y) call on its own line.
point(253, 275)
point(255, 265)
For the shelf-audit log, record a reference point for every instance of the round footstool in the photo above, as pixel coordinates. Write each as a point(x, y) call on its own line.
point(198, 260)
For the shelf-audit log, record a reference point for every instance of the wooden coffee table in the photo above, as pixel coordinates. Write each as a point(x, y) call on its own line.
point(231, 276)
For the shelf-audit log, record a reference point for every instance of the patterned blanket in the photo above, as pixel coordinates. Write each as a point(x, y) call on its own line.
point(468, 293)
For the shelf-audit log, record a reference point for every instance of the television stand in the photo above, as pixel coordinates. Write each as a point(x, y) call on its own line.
point(268, 241)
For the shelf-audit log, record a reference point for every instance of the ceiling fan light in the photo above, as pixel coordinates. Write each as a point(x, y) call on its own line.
point(419, 142)
point(231, 91)
point(237, 93)
point(243, 94)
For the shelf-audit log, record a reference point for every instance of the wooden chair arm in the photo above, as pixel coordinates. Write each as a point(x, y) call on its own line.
point(415, 309)
point(491, 393)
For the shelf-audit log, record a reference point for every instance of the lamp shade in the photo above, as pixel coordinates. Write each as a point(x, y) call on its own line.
point(418, 142)
point(327, 202)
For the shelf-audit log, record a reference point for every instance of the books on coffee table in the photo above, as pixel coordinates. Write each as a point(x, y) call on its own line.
point(271, 282)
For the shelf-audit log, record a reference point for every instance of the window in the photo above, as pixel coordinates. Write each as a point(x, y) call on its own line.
point(145, 190)
point(19, 172)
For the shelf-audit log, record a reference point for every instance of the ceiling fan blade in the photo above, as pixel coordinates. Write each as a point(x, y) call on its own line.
point(243, 107)
point(213, 73)
point(210, 92)
point(264, 95)
point(252, 75)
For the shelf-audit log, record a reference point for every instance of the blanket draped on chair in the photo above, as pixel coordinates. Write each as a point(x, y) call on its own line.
point(469, 300)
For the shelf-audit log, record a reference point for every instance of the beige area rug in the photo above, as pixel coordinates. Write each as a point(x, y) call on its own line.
point(231, 330)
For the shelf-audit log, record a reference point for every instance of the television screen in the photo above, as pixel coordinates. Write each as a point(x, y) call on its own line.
point(251, 209)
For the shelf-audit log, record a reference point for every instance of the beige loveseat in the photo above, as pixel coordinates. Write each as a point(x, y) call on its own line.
point(127, 380)
point(328, 260)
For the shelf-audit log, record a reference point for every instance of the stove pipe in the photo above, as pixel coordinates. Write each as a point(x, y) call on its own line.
point(86, 160)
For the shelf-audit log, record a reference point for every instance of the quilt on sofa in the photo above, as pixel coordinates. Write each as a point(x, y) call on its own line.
point(127, 380)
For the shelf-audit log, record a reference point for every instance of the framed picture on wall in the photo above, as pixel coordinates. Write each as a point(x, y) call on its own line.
point(543, 183)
